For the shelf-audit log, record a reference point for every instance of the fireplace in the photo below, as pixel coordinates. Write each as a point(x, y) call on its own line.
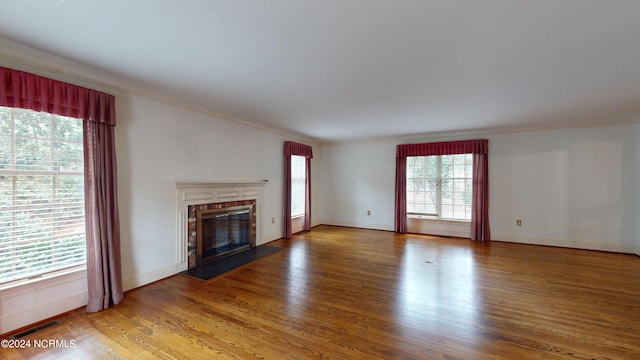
point(220, 229)
point(222, 232)
point(212, 200)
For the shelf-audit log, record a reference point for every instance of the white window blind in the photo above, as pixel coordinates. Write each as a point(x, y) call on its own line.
point(440, 186)
point(298, 182)
point(41, 194)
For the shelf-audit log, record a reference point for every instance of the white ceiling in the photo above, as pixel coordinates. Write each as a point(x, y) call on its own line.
point(339, 70)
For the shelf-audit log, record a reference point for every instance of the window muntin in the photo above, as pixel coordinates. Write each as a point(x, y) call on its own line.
point(440, 186)
point(42, 227)
point(298, 184)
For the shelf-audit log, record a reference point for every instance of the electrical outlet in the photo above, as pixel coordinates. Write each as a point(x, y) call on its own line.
point(518, 222)
point(368, 212)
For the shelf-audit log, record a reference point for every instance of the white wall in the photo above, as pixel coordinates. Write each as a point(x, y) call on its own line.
point(570, 187)
point(357, 178)
point(36, 301)
point(637, 182)
point(158, 143)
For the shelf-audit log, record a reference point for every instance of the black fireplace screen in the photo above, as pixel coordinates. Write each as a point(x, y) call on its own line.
point(225, 232)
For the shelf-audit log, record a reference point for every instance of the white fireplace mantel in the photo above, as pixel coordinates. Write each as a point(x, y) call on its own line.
point(200, 192)
point(190, 184)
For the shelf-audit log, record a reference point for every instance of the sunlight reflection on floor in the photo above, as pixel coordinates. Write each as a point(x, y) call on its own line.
point(432, 283)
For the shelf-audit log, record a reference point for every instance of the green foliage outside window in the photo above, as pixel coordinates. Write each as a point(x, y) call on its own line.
point(440, 186)
point(41, 193)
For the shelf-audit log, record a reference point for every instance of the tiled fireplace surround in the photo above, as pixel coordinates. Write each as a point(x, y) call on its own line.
point(194, 196)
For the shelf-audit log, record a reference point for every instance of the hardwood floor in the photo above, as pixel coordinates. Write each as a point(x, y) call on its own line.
point(350, 293)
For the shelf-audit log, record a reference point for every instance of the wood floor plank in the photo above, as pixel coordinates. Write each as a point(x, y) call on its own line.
point(344, 293)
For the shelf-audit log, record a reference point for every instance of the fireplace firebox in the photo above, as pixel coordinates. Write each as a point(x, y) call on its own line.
point(222, 232)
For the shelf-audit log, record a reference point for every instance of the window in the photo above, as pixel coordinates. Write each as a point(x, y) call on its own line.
point(440, 186)
point(298, 183)
point(42, 227)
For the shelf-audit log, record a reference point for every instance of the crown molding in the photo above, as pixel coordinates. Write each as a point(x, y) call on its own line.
point(474, 133)
point(23, 58)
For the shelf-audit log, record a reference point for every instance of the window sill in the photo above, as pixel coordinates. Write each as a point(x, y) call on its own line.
point(47, 280)
point(433, 218)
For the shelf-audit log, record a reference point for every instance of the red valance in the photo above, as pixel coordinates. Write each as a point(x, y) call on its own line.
point(294, 148)
point(444, 148)
point(29, 91)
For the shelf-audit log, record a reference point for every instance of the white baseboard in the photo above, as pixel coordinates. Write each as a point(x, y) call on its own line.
point(147, 278)
point(359, 225)
point(568, 243)
point(265, 239)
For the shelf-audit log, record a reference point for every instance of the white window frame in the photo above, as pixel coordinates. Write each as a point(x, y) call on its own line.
point(66, 235)
point(437, 215)
point(298, 185)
